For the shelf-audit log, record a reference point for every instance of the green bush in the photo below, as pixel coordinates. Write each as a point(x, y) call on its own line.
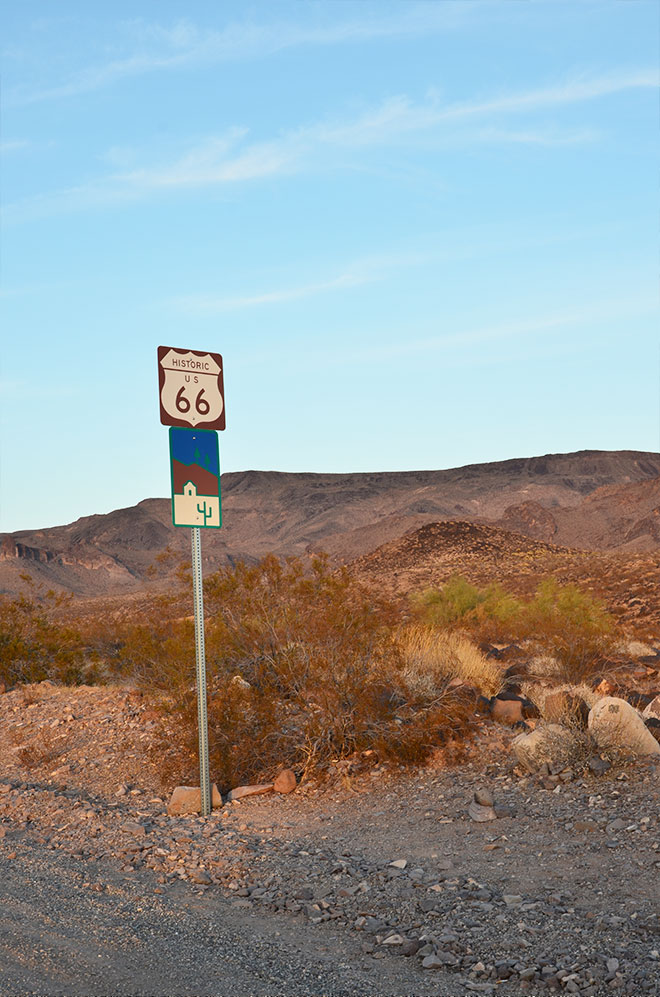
point(565, 622)
point(573, 626)
point(458, 603)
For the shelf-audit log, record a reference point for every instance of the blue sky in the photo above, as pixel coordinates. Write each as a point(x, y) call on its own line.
point(422, 234)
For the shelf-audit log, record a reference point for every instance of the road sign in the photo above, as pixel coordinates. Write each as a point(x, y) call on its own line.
point(195, 471)
point(191, 388)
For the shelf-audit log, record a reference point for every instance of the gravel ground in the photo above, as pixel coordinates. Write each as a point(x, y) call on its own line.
point(107, 894)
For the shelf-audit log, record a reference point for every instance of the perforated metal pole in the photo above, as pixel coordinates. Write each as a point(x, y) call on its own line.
point(200, 657)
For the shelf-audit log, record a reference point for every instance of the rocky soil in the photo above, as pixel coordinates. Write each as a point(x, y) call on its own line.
point(376, 882)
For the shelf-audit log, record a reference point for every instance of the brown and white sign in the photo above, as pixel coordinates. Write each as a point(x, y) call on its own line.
point(191, 388)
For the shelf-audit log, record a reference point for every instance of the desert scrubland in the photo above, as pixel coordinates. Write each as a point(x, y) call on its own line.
point(436, 747)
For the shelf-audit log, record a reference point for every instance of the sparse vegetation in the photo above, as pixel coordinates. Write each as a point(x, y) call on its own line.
point(436, 659)
point(33, 647)
point(565, 622)
point(305, 665)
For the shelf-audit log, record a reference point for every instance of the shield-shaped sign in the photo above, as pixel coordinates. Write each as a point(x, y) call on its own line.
point(191, 388)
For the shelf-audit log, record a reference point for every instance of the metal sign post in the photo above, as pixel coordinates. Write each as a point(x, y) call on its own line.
point(200, 659)
point(191, 393)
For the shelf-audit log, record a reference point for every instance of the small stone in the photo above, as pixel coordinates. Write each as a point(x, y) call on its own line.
point(394, 939)
point(616, 825)
point(241, 792)
point(483, 797)
point(285, 782)
point(199, 876)
point(480, 814)
point(506, 711)
point(432, 962)
point(188, 800)
point(399, 864)
point(598, 765)
point(512, 899)
point(652, 710)
point(546, 745)
point(567, 707)
point(134, 827)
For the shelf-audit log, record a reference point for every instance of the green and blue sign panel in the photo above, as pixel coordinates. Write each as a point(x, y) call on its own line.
point(195, 472)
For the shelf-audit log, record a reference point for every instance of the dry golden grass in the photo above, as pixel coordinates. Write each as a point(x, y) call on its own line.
point(433, 658)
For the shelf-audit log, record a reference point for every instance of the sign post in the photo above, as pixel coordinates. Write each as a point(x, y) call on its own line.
point(200, 662)
point(192, 403)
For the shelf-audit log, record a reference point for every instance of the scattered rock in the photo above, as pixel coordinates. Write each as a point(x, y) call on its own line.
point(614, 723)
point(432, 962)
point(549, 744)
point(399, 864)
point(285, 782)
point(479, 809)
point(240, 683)
point(199, 876)
point(188, 800)
point(566, 707)
point(395, 939)
point(652, 711)
point(483, 797)
point(506, 711)
point(605, 688)
point(241, 792)
point(135, 828)
point(598, 765)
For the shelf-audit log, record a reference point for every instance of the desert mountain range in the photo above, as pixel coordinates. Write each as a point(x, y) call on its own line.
point(591, 500)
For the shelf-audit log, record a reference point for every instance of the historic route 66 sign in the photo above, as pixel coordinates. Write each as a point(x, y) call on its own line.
point(191, 388)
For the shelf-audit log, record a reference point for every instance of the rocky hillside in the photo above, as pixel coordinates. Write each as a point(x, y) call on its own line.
point(590, 499)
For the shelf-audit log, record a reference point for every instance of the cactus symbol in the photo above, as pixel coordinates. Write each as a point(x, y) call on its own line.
point(207, 513)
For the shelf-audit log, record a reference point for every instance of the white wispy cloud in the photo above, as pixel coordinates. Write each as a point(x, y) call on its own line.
point(529, 327)
point(359, 272)
point(13, 145)
point(202, 304)
point(233, 158)
point(184, 44)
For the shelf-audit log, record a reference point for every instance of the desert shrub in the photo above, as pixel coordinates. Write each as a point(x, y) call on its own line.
point(33, 647)
point(303, 668)
point(434, 658)
point(39, 750)
point(449, 605)
point(490, 611)
point(562, 621)
point(573, 626)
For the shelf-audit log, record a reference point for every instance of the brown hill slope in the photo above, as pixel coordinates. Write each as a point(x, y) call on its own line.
point(427, 557)
point(625, 517)
point(346, 514)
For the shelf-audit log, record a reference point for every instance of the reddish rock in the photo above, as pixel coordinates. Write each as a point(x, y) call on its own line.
point(566, 707)
point(285, 782)
point(242, 791)
point(506, 711)
point(188, 800)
